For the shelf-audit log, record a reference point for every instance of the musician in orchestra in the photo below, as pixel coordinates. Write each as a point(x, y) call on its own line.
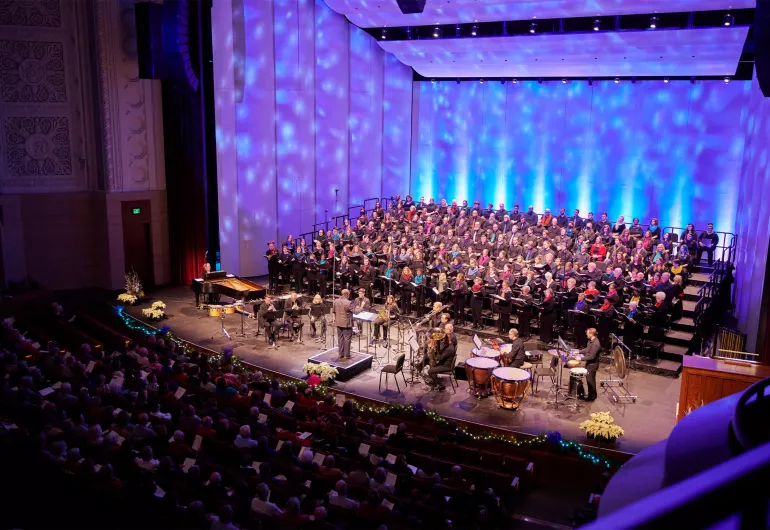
point(445, 356)
point(525, 312)
point(266, 318)
point(386, 317)
point(547, 317)
point(317, 314)
point(294, 303)
point(516, 357)
point(343, 320)
point(361, 303)
point(591, 357)
point(206, 271)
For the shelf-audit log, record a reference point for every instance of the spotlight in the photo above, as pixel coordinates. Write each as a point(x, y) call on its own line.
point(617, 80)
point(409, 33)
point(729, 19)
point(384, 34)
point(653, 22)
point(727, 79)
point(515, 81)
point(666, 79)
point(481, 81)
point(474, 29)
point(597, 24)
point(564, 81)
point(433, 81)
point(533, 27)
point(436, 32)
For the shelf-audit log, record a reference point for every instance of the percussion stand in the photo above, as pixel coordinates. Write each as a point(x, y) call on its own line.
point(619, 386)
point(242, 331)
point(222, 331)
point(558, 388)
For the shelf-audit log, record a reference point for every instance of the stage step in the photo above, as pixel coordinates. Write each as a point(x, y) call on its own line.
point(699, 278)
point(674, 352)
point(679, 338)
point(688, 307)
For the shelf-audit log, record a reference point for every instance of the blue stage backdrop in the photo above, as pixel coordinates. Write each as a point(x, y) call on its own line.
point(668, 150)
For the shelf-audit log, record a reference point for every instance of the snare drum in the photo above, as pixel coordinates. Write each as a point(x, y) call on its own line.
point(489, 353)
point(215, 311)
point(478, 370)
point(576, 381)
point(510, 386)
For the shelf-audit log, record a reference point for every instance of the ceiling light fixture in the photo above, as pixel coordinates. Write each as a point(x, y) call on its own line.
point(617, 80)
point(729, 19)
point(384, 34)
point(653, 22)
point(727, 79)
point(666, 80)
point(474, 29)
point(433, 81)
point(481, 81)
point(436, 32)
point(533, 27)
point(564, 81)
point(515, 81)
point(597, 24)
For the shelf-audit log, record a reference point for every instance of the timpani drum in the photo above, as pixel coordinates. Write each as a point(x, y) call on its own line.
point(488, 353)
point(478, 370)
point(215, 311)
point(510, 386)
point(505, 354)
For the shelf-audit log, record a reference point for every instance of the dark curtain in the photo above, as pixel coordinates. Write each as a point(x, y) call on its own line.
point(188, 125)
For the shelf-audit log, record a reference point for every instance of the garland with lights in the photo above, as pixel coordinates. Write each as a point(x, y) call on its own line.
point(551, 441)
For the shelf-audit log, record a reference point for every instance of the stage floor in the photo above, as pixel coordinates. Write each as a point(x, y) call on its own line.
point(646, 422)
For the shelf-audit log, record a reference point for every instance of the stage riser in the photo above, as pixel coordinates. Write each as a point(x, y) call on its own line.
point(360, 363)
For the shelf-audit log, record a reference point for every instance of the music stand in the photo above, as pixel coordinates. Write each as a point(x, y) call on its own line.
point(222, 331)
point(242, 331)
point(368, 317)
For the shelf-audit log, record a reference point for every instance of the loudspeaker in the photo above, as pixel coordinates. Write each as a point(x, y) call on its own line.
point(410, 7)
point(149, 40)
point(762, 45)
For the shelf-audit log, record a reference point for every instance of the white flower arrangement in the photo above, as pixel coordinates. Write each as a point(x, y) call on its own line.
point(602, 426)
point(324, 370)
point(155, 311)
point(134, 284)
point(127, 298)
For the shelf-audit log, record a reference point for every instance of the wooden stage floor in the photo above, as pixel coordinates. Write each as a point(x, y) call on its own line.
point(646, 422)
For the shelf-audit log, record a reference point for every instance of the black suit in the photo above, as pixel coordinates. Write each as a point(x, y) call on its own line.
point(547, 320)
point(591, 355)
point(517, 356)
point(445, 356)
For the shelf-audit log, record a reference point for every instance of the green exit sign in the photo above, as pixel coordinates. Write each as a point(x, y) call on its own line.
point(136, 211)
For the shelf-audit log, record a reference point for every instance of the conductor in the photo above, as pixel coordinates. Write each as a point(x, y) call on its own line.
point(343, 319)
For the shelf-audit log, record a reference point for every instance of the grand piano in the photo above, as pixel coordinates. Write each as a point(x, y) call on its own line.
point(221, 283)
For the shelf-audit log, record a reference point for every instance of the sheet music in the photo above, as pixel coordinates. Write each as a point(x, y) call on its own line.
point(476, 341)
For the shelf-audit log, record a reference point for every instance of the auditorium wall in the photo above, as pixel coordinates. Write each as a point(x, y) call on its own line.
point(753, 223)
point(80, 134)
point(645, 149)
point(312, 117)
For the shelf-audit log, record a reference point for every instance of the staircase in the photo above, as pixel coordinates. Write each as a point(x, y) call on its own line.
point(681, 333)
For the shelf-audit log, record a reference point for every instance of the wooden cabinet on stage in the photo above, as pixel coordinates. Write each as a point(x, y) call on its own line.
point(705, 380)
